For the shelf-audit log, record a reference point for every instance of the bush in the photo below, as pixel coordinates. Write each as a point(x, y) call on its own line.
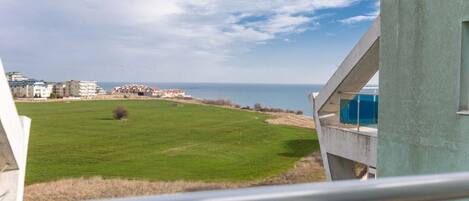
point(184, 98)
point(120, 113)
point(54, 96)
point(299, 112)
point(246, 108)
point(218, 102)
point(258, 107)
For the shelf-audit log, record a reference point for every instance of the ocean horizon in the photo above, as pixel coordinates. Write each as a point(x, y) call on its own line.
point(285, 96)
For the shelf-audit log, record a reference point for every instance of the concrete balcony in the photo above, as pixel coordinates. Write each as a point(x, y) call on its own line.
point(351, 144)
point(350, 136)
point(343, 117)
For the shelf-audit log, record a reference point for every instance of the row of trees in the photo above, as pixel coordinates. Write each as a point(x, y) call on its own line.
point(121, 113)
point(260, 108)
point(257, 107)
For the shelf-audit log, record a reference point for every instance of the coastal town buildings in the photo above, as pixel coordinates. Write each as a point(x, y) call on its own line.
point(143, 90)
point(80, 88)
point(169, 93)
point(24, 87)
point(135, 89)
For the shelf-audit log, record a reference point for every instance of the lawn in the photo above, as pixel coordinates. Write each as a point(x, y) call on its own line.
point(161, 140)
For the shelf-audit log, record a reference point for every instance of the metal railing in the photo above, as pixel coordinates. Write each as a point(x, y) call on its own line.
point(421, 188)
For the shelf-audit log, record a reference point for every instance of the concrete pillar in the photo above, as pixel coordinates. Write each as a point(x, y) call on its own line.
point(341, 168)
point(14, 138)
point(371, 172)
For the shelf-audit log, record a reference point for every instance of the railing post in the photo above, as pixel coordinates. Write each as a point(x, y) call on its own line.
point(340, 108)
point(358, 112)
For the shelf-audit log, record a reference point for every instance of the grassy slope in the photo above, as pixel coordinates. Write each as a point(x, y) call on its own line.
point(160, 141)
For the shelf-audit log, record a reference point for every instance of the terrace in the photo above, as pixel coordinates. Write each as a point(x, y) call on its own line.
point(346, 112)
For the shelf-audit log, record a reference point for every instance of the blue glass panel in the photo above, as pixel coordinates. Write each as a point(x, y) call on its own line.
point(368, 110)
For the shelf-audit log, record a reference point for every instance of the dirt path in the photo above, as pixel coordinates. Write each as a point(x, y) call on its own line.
point(308, 169)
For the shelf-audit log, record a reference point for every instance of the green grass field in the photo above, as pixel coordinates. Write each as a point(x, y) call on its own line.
point(161, 140)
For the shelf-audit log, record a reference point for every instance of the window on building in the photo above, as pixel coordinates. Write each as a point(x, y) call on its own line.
point(464, 74)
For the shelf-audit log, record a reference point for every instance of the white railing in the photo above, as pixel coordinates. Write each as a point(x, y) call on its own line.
point(421, 188)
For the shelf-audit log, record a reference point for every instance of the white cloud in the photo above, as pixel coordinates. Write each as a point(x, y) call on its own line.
point(362, 18)
point(357, 19)
point(145, 35)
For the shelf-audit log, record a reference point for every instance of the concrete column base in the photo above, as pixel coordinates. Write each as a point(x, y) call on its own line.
point(341, 168)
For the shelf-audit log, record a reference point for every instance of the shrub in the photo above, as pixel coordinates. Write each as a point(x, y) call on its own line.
point(299, 112)
point(246, 108)
point(184, 98)
point(54, 96)
point(221, 102)
point(258, 107)
point(120, 113)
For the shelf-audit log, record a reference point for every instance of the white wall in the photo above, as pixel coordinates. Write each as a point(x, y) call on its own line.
point(14, 135)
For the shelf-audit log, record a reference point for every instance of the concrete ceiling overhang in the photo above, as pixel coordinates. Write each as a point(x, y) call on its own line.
point(360, 65)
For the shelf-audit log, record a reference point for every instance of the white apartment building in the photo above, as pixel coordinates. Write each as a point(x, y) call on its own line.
point(30, 89)
point(100, 90)
point(83, 89)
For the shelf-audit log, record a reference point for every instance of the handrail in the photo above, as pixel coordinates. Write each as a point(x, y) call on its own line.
point(360, 93)
point(421, 188)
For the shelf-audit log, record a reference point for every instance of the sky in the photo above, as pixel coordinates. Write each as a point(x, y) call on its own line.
point(231, 41)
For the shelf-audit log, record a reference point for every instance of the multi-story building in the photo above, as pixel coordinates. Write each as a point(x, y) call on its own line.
point(59, 89)
point(16, 76)
point(171, 93)
point(30, 89)
point(100, 90)
point(79, 88)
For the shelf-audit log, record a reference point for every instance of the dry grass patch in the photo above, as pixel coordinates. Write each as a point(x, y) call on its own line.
point(291, 120)
point(97, 187)
point(308, 169)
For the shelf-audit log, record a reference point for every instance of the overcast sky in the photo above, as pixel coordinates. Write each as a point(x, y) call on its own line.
point(249, 41)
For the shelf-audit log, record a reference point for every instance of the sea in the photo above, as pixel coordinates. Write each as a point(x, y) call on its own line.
point(285, 96)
